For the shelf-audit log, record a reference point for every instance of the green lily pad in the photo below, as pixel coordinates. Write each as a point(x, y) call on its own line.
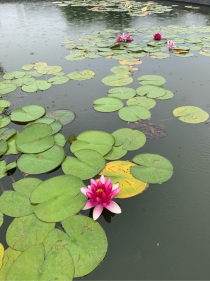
point(122, 92)
point(6, 88)
point(134, 113)
point(14, 74)
point(27, 231)
point(56, 204)
point(55, 125)
point(151, 80)
point(58, 80)
point(35, 138)
point(121, 69)
point(87, 164)
point(151, 91)
point(168, 95)
point(116, 153)
point(88, 243)
point(191, 114)
point(4, 168)
point(82, 75)
point(151, 168)
point(4, 103)
point(10, 256)
point(4, 121)
point(1, 220)
point(26, 186)
point(143, 101)
point(129, 139)
point(42, 162)
point(60, 139)
point(99, 141)
point(27, 113)
point(3, 147)
point(24, 81)
point(64, 116)
point(27, 265)
point(12, 148)
point(107, 104)
point(38, 85)
point(14, 204)
point(117, 80)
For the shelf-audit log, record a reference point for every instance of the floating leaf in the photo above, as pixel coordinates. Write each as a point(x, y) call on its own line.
point(60, 139)
point(107, 104)
point(191, 114)
point(1, 220)
point(151, 80)
point(119, 172)
point(26, 186)
point(42, 162)
point(4, 168)
point(115, 153)
point(24, 81)
point(14, 74)
point(95, 140)
point(56, 204)
point(58, 80)
point(122, 92)
point(10, 256)
point(6, 88)
point(151, 91)
point(14, 204)
point(6, 133)
point(87, 164)
point(38, 85)
point(152, 168)
point(82, 75)
point(55, 125)
point(1, 254)
point(129, 139)
point(27, 265)
point(35, 138)
point(27, 231)
point(168, 95)
point(27, 113)
point(4, 121)
point(58, 265)
point(133, 113)
point(117, 80)
point(3, 147)
point(143, 101)
point(4, 103)
point(88, 243)
point(64, 116)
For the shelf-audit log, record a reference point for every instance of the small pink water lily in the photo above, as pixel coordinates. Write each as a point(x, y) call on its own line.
point(157, 36)
point(171, 44)
point(124, 38)
point(100, 194)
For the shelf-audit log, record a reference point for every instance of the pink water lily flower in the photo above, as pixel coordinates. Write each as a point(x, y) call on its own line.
point(100, 194)
point(157, 36)
point(124, 38)
point(171, 44)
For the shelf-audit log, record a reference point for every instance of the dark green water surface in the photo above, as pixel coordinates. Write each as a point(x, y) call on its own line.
point(164, 233)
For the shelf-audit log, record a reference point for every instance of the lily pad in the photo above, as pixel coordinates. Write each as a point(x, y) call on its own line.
point(6, 88)
point(56, 204)
point(27, 113)
point(9, 257)
point(151, 91)
point(42, 162)
point(4, 103)
point(14, 74)
point(151, 80)
point(115, 153)
point(117, 80)
point(27, 265)
point(26, 186)
point(27, 231)
point(143, 101)
point(3, 147)
point(119, 172)
point(4, 121)
point(35, 138)
point(107, 104)
point(152, 168)
point(88, 243)
point(38, 85)
point(82, 75)
point(87, 164)
point(64, 116)
point(99, 141)
point(4, 168)
point(129, 139)
point(58, 80)
point(55, 125)
point(122, 92)
point(134, 113)
point(1, 221)
point(191, 114)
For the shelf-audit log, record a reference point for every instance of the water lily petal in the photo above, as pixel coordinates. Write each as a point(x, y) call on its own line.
point(114, 192)
point(115, 186)
point(97, 211)
point(113, 207)
point(89, 204)
point(84, 190)
point(102, 179)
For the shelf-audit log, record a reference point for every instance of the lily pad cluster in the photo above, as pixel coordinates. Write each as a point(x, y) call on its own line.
point(28, 80)
point(133, 8)
point(188, 41)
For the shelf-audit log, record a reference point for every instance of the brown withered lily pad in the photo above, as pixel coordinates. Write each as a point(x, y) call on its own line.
point(151, 130)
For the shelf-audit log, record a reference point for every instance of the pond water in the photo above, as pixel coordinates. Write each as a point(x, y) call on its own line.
point(163, 233)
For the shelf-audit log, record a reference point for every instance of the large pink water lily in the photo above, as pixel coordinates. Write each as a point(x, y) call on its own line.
point(100, 194)
point(157, 36)
point(124, 38)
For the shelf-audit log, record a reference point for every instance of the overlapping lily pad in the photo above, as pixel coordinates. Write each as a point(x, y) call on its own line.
point(107, 104)
point(117, 80)
point(4, 168)
point(122, 92)
point(38, 85)
point(27, 113)
point(134, 113)
point(64, 116)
